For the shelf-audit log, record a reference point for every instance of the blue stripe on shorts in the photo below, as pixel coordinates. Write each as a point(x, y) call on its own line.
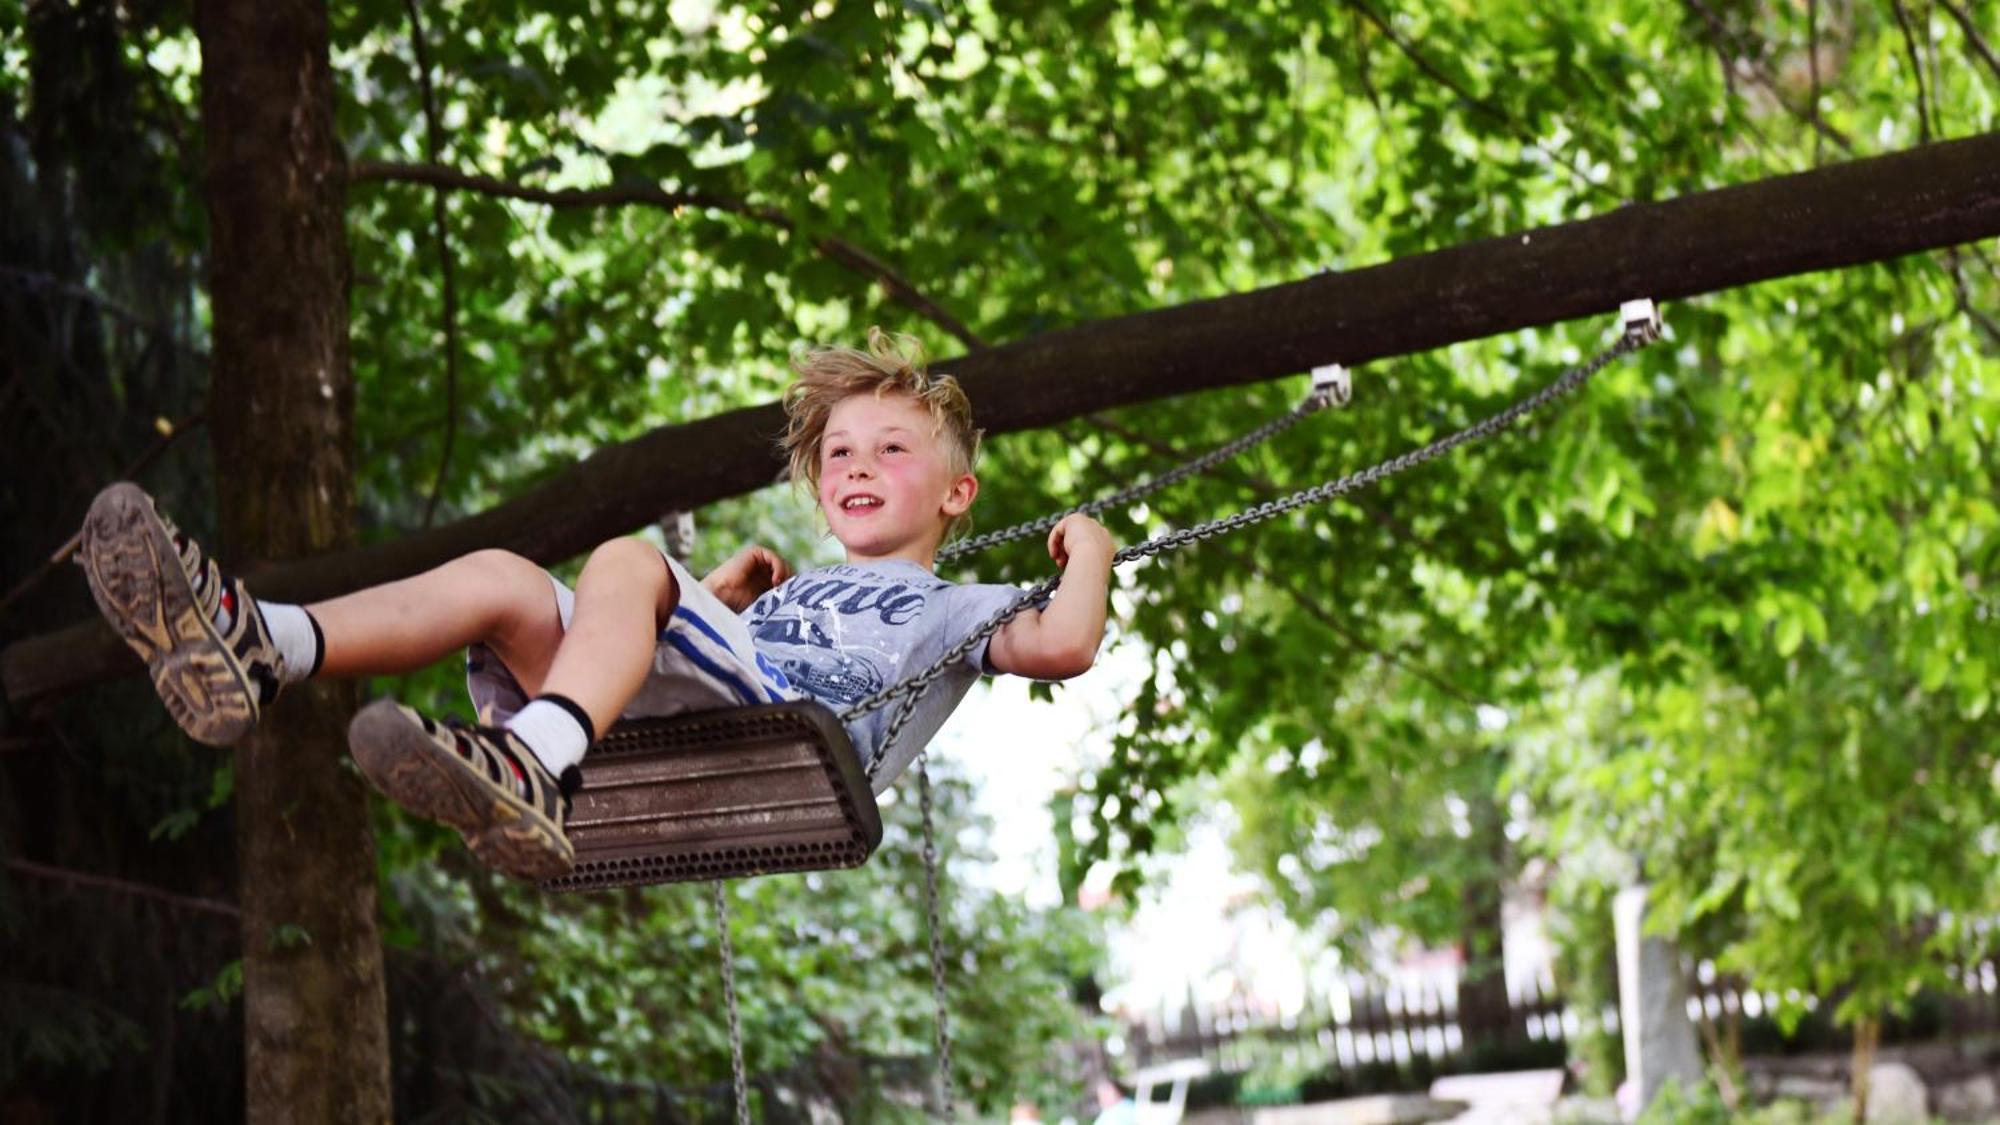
point(763, 665)
point(715, 671)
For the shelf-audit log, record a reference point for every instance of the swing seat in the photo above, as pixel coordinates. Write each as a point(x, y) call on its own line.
point(720, 795)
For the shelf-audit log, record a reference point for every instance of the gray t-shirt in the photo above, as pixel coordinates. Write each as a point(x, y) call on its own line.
point(842, 633)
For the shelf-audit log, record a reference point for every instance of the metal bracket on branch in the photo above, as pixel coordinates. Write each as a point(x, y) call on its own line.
point(1334, 384)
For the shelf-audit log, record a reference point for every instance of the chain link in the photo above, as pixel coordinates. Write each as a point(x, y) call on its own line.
point(911, 688)
point(729, 996)
point(937, 938)
point(1314, 403)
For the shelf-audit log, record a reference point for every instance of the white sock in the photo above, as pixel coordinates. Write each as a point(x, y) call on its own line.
point(555, 729)
point(297, 638)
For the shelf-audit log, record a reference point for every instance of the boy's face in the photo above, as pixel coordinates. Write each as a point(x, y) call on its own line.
point(886, 485)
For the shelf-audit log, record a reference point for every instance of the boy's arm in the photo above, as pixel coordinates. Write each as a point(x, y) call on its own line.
point(1061, 639)
point(747, 575)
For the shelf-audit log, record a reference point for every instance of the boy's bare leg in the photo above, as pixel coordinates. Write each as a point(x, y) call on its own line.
point(218, 656)
point(623, 596)
point(505, 789)
point(491, 596)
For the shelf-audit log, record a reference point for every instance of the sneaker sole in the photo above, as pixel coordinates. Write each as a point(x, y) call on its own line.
point(136, 578)
point(411, 769)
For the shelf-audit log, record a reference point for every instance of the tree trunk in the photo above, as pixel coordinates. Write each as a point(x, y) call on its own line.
point(281, 413)
point(1865, 211)
point(1867, 1036)
point(1484, 1011)
point(1724, 1043)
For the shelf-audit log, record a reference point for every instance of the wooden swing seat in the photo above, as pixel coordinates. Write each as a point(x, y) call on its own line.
point(720, 795)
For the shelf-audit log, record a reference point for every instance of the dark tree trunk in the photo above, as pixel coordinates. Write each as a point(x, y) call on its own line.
point(281, 411)
point(1829, 218)
point(1482, 990)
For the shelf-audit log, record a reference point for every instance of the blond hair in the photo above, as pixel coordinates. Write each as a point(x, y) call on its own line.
point(891, 364)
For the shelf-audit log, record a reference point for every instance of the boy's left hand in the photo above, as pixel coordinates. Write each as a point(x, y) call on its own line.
point(747, 576)
point(1078, 536)
point(1061, 639)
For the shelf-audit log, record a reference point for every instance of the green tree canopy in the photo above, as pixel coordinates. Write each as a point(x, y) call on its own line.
point(1730, 613)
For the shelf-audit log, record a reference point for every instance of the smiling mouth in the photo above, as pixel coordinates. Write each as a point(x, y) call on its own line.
point(861, 504)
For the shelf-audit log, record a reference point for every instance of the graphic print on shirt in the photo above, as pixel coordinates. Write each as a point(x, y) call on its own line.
point(841, 633)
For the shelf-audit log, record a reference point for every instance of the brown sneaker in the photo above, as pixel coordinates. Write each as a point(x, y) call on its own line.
point(161, 594)
point(483, 781)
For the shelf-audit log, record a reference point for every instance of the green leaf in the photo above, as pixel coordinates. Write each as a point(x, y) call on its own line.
point(1791, 631)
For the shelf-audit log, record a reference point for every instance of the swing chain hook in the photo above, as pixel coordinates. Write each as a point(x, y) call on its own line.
point(1332, 385)
point(1640, 321)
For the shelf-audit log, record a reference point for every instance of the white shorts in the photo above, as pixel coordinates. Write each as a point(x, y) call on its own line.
point(704, 660)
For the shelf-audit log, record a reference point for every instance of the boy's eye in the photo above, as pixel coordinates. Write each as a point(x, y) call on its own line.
point(837, 451)
point(893, 447)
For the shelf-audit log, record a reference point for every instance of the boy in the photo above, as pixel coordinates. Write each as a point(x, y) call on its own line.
point(888, 450)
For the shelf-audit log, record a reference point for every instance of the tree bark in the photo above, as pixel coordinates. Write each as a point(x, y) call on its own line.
point(1485, 1011)
point(1829, 218)
point(281, 414)
point(1861, 1064)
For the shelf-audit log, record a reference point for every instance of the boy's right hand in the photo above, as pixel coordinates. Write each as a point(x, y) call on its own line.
point(747, 576)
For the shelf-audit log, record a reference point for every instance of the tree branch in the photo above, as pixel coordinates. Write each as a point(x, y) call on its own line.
point(1954, 267)
point(1916, 70)
point(1992, 267)
point(1727, 67)
point(1812, 65)
point(1361, 71)
point(48, 283)
point(1972, 39)
point(1363, 75)
point(1871, 210)
point(447, 268)
point(1325, 617)
point(132, 471)
point(839, 250)
point(1500, 116)
point(1184, 70)
point(124, 887)
point(1720, 34)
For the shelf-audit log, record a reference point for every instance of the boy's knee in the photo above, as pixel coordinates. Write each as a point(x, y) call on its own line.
point(500, 568)
point(629, 556)
point(510, 583)
point(637, 568)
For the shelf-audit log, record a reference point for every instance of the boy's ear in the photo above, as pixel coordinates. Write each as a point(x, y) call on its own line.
point(958, 501)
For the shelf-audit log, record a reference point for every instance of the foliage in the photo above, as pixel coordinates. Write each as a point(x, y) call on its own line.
point(80, 1037)
point(1729, 616)
point(1702, 1104)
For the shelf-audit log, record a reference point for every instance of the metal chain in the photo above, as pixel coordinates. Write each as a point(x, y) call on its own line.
point(1039, 594)
point(1315, 402)
point(937, 938)
point(729, 997)
point(1571, 380)
point(912, 689)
